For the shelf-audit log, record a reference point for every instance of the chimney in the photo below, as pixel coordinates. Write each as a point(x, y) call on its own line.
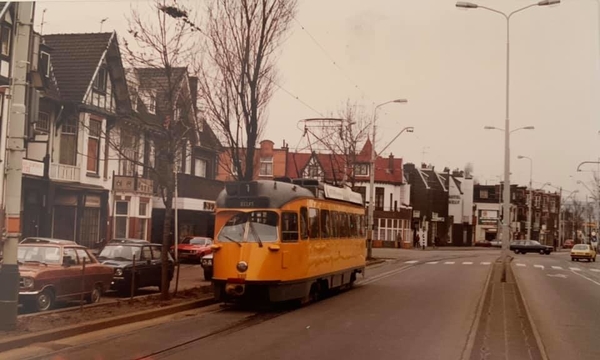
point(423, 166)
point(285, 146)
point(391, 163)
point(194, 91)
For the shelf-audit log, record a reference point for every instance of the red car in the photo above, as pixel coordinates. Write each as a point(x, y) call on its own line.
point(193, 248)
point(568, 244)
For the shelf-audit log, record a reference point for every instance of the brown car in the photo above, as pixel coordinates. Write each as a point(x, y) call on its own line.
point(52, 270)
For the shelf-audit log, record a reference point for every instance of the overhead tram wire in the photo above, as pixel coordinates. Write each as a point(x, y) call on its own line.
point(331, 59)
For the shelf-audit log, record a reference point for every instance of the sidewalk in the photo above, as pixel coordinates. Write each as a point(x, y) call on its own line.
point(504, 331)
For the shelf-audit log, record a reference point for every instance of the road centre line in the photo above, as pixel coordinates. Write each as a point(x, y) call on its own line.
point(449, 263)
point(595, 270)
point(411, 262)
point(432, 262)
point(467, 263)
point(521, 265)
point(557, 267)
point(486, 263)
point(539, 266)
point(574, 269)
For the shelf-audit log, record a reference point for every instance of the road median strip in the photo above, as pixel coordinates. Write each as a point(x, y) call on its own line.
point(78, 329)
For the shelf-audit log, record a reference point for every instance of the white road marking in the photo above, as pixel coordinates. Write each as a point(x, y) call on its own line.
point(587, 278)
point(432, 262)
point(449, 263)
point(522, 265)
point(539, 266)
point(574, 269)
point(411, 262)
point(486, 263)
point(557, 267)
point(558, 275)
point(595, 270)
point(467, 263)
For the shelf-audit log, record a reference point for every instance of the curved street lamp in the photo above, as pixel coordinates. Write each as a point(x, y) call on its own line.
point(507, 17)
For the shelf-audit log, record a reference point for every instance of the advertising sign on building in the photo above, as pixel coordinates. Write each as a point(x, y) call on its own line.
point(488, 217)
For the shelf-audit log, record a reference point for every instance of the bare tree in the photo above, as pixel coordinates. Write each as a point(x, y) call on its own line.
point(241, 40)
point(574, 215)
point(157, 135)
point(341, 139)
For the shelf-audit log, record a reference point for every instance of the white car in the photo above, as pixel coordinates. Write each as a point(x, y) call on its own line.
point(207, 265)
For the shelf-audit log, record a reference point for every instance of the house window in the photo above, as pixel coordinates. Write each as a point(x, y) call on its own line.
point(379, 193)
point(130, 153)
point(313, 171)
point(93, 153)
point(200, 167)
point(361, 169)
point(43, 122)
point(100, 80)
point(149, 100)
point(121, 219)
point(6, 31)
point(234, 169)
point(266, 166)
point(536, 203)
point(483, 194)
point(188, 158)
point(44, 67)
point(68, 142)
point(142, 230)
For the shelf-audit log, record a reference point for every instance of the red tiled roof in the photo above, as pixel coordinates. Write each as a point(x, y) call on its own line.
point(75, 58)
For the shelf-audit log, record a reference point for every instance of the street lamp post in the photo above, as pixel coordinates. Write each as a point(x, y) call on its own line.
point(530, 195)
point(467, 5)
point(370, 226)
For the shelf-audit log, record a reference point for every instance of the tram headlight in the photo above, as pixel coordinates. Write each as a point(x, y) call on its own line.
point(242, 266)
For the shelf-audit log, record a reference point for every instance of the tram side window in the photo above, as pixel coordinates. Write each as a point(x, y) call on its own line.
point(325, 224)
point(289, 227)
point(313, 221)
point(354, 225)
point(334, 221)
point(361, 226)
point(303, 223)
point(345, 231)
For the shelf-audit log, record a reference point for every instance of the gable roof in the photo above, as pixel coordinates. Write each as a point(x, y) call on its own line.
point(75, 58)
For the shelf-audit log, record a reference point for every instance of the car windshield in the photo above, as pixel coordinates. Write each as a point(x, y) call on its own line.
point(119, 252)
point(196, 241)
point(254, 226)
point(42, 254)
point(581, 247)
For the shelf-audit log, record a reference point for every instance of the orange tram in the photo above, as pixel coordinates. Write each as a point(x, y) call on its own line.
point(284, 239)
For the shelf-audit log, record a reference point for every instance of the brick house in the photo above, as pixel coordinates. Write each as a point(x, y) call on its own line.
point(269, 162)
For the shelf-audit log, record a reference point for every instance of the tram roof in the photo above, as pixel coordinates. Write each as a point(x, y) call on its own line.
point(276, 193)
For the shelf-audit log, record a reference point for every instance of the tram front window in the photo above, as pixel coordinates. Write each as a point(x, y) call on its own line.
point(255, 226)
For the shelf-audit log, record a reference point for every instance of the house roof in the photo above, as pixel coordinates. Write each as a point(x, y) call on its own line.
point(75, 58)
point(332, 167)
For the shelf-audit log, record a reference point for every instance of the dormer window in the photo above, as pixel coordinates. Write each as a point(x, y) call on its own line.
point(100, 80)
point(361, 169)
point(45, 64)
point(149, 99)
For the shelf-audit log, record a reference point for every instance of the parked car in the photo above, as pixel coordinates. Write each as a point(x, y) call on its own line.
point(483, 243)
point(207, 266)
point(527, 246)
point(120, 253)
point(51, 270)
point(568, 244)
point(193, 248)
point(583, 251)
point(496, 243)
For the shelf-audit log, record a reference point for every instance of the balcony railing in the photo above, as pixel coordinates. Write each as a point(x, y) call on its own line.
point(133, 184)
point(65, 172)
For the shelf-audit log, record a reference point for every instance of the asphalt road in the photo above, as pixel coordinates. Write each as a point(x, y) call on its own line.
point(422, 305)
point(564, 302)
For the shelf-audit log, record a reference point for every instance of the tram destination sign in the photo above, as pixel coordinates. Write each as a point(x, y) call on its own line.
point(247, 202)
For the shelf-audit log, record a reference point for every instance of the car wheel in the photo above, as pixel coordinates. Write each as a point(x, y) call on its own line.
point(44, 300)
point(542, 252)
point(516, 251)
point(95, 296)
point(572, 259)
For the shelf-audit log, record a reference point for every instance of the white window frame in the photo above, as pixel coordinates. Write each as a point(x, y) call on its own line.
point(197, 167)
point(126, 216)
point(266, 160)
point(144, 217)
point(362, 166)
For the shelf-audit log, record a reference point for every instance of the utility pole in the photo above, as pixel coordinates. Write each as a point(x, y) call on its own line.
point(560, 220)
point(9, 273)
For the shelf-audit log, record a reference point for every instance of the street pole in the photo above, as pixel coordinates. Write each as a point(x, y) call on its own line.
point(506, 217)
point(560, 219)
point(9, 272)
point(371, 211)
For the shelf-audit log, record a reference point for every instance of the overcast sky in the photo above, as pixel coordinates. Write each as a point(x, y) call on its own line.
point(449, 64)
